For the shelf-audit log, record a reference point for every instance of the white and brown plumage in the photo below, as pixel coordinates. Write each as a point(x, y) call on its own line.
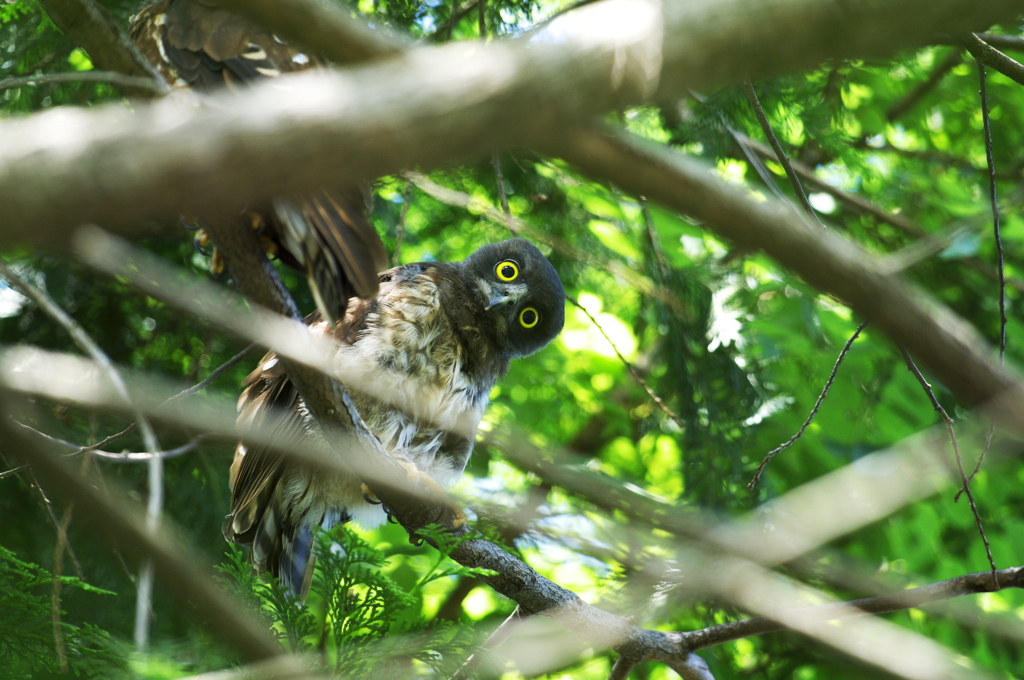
point(326, 234)
point(419, 362)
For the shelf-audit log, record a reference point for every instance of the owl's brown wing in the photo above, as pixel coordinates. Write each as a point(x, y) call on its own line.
point(273, 504)
point(256, 469)
point(325, 234)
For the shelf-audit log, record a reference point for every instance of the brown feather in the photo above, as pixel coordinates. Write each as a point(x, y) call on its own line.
point(325, 234)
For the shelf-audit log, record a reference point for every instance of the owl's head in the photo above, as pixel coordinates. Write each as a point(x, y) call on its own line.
point(520, 294)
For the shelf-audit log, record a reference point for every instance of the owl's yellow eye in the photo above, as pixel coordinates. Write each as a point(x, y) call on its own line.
point(529, 317)
point(507, 271)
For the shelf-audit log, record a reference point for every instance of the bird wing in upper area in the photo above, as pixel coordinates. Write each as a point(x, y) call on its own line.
point(325, 234)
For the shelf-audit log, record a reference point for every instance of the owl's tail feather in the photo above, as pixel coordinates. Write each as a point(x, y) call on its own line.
point(285, 549)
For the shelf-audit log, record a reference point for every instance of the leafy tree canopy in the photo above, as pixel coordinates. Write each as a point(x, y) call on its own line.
point(686, 357)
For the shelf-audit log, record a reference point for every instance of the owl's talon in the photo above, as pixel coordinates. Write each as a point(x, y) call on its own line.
point(460, 519)
point(217, 266)
point(368, 495)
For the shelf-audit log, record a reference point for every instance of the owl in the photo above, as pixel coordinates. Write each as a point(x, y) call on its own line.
point(326, 234)
point(419, 362)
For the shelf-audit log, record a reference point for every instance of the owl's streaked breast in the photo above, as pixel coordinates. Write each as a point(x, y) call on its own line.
point(405, 369)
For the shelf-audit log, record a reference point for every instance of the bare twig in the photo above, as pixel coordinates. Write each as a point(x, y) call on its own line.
point(780, 154)
point(950, 430)
point(125, 457)
point(817, 404)
point(396, 256)
point(90, 26)
point(500, 181)
point(993, 201)
point(155, 464)
point(950, 346)
point(977, 465)
point(100, 445)
point(214, 374)
point(632, 369)
point(503, 632)
point(119, 80)
point(980, 582)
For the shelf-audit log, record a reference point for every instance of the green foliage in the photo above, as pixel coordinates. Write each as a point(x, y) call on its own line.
point(357, 621)
point(733, 344)
point(28, 628)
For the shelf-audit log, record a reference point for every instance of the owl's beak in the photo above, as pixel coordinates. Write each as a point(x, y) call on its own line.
point(496, 301)
point(503, 295)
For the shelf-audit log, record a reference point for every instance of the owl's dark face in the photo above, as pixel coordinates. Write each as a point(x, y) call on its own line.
point(520, 293)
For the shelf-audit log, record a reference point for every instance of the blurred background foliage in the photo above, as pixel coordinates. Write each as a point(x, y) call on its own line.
point(736, 347)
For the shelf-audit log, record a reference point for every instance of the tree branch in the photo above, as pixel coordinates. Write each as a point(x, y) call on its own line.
point(326, 29)
point(949, 346)
point(89, 26)
point(428, 107)
point(117, 518)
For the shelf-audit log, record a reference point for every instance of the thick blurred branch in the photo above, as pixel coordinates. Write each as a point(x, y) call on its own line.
point(32, 372)
point(324, 28)
point(428, 107)
point(948, 345)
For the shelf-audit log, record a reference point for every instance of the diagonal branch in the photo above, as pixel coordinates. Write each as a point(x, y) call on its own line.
point(429, 107)
point(325, 28)
point(89, 26)
point(122, 521)
point(950, 347)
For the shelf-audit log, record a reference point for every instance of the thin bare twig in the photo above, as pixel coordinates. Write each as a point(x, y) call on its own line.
point(977, 465)
point(1000, 264)
point(912, 367)
point(396, 256)
point(987, 125)
point(780, 153)
point(980, 582)
point(503, 632)
point(632, 369)
point(214, 374)
point(58, 568)
point(499, 177)
point(100, 445)
point(126, 457)
point(817, 404)
point(119, 80)
point(155, 464)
